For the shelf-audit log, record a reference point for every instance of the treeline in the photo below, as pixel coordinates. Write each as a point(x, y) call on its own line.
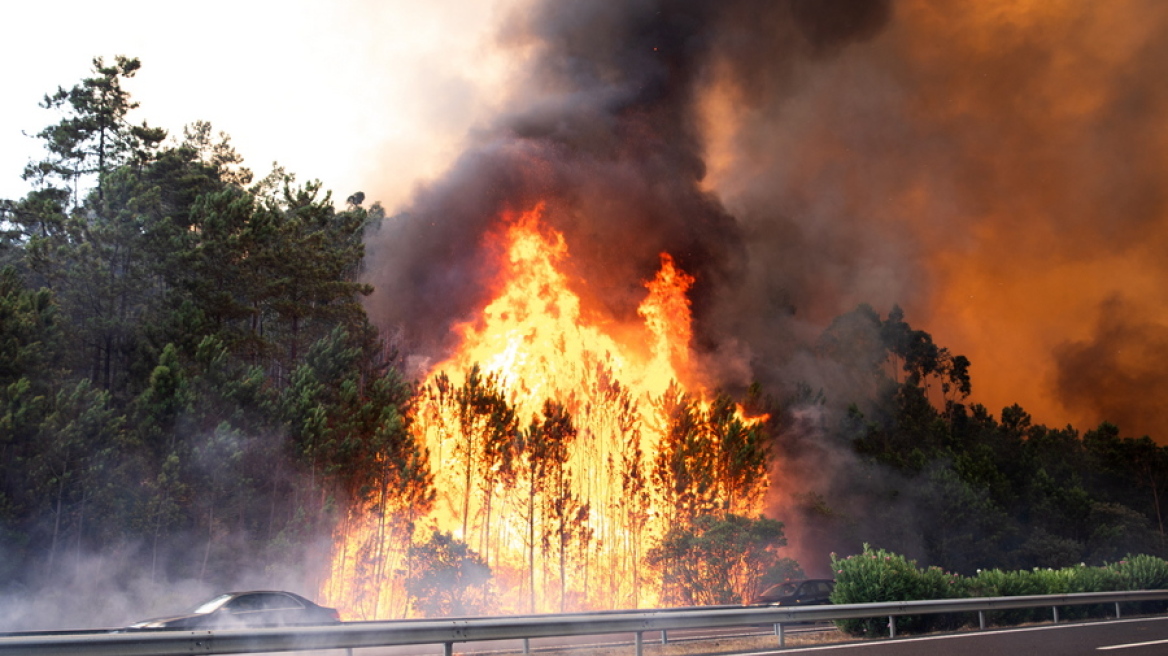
point(955, 486)
point(185, 364)
point(186, 367)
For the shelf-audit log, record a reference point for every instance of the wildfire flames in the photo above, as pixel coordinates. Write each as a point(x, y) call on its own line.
point(542, 432)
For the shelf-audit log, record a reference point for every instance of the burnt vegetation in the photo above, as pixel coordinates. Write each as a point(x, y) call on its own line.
point(187, 373)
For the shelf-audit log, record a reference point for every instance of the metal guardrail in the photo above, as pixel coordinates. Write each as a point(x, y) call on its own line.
point(447, 632)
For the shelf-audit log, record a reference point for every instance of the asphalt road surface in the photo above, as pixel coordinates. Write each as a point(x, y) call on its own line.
point(1134, 637)
point(1125, 637)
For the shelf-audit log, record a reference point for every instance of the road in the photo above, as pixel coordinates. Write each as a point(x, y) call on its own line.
point(1134, 637)
point(1127, 637)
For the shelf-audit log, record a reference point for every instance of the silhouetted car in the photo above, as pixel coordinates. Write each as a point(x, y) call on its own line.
point(802, 592)
point(237, 610)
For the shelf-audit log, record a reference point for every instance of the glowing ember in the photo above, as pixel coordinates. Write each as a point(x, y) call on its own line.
point(544, 433)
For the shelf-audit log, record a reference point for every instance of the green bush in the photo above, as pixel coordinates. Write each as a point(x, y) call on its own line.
point(1090, 579)
point(877, 575)
point(936, 583)
point(1143, 573)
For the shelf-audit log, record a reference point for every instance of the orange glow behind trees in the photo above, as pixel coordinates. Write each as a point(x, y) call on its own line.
point(558, 453)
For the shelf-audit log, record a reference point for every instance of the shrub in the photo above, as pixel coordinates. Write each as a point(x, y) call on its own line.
point(997, 583)
point(1143, 573)
point(878, 575)
point(936, 583)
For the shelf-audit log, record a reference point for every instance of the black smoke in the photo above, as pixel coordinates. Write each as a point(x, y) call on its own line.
point(1118, 372)
point(607, 132)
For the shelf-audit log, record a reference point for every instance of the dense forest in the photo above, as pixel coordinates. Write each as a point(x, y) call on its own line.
point(186, 363)
point(187, 372)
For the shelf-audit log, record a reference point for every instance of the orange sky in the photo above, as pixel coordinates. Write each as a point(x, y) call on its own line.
point(997, 169)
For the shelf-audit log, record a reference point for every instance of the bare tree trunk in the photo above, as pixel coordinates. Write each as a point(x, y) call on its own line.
point(210, 539)
point(531, 546)
point(56, 524)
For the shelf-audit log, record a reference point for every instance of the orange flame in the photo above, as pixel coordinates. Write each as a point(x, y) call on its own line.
point(530, 345)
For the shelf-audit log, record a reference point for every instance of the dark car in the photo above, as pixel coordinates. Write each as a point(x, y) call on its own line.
point(236, 610)
point(802, 592)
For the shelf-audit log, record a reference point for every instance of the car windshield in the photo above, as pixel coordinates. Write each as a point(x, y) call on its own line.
point(782, 589)
point(212, 605)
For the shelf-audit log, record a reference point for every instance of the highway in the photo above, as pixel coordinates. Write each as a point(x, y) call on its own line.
point(1126, 637)
point(1130, 637)
point(720, 630)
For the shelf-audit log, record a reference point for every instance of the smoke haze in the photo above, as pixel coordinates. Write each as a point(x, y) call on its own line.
point(993, 168)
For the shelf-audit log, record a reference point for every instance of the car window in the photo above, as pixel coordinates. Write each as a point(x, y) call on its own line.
point(279, 602)
point(245, 603)
point(782, 589)
point(211, 605)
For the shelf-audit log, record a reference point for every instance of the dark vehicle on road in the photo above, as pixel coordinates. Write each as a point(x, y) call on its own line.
point(237, 610)
point(802, 592)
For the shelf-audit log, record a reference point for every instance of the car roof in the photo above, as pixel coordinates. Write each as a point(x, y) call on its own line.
point(247, 592)
point(241, 593)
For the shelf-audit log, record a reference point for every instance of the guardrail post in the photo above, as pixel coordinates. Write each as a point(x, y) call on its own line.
point(640, 643)
point(981, 619)
point(664, 637)
point(1117, 610)
point(1055, 609)
point(527, 645)
point(891, 626)
point(448, 649)
point(782, 636)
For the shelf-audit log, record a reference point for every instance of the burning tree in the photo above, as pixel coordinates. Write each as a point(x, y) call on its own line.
point(558, 449)
point(717, 560)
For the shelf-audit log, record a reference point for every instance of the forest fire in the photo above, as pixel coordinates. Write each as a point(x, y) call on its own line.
point(548, 440)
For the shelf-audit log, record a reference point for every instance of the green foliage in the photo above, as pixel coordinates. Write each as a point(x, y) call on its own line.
point(448, 579)
point(202, 366)
point(784, 569)
point(94, 137)
point(1142, 572)
point(877, 575)
point(27, 327)
point(719, 559)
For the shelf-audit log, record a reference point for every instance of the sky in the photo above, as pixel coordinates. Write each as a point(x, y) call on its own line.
point(368, 96)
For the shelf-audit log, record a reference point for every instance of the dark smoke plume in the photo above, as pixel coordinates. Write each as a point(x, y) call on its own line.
point(611, 130)
point(1119, 372)
point(608, 132)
